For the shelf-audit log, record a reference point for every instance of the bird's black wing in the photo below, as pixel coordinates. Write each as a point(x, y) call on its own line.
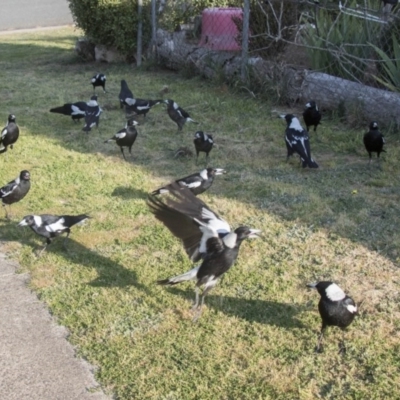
point(6, 190)
point(182, 112)
point(188, 218)
point(299, 143)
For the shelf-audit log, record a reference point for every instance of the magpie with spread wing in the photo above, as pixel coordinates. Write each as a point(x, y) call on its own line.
point(205, 236)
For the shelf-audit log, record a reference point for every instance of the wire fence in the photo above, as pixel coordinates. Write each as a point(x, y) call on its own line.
point(354, 40)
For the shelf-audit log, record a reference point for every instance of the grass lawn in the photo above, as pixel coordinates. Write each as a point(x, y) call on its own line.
point(256, 337)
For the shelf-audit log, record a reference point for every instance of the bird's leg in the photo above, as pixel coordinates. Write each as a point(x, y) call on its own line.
point(8, 215)
point(342, 346)
point(319, 349)
point(122, 151)
point(196, 301)
point(48, 241)
point(65, 240)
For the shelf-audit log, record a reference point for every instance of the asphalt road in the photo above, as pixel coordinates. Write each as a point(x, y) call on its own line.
point(28, 14)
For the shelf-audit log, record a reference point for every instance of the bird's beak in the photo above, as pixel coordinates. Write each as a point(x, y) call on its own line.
point(308, 105)
point(254, 233)
point(312, 285)
point(282, 116)
point(219, 171)
point(23, 223)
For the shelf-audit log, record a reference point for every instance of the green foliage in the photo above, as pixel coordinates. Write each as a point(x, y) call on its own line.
point(391, 67)
point(338, 43)
point(112, 22)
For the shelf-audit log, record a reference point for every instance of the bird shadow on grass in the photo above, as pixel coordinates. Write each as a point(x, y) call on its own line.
point(252, 310)
point(110, 273)
point(127, 193)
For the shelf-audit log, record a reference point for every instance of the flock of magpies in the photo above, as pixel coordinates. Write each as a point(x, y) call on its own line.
point(206, 237)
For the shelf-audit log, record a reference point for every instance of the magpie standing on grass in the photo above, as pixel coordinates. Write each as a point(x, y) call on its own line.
point(125, 137)
point(203, 142)
point(311, 115)
point(92, 114)
point(124, 94)
point(75, 110)
point(296, 139)
point(99, 80)
point(335, 309)
point(9, 134)
point(374, 140)
point(139, 106)
point(205, 236)
point(50, 226)
point(177, 114)
point(197, 183)
point(15, 190)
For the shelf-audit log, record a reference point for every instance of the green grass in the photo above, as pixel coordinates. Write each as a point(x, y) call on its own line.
point(256, 337)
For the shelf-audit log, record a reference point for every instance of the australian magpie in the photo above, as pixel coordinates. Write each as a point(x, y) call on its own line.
point(374, 140)
point(139, 106)
point(50, 226)
point(197, 183)
point(9, 134)
point(335, 308)
point(15, 190)
point(75, 110)
point(125, 137)
point(204, 234)
point(311, 115)
point(125, 93)
point(203, 142)
point(92, 114)
point(296, 139)
point(99, 80)
point(177, 114)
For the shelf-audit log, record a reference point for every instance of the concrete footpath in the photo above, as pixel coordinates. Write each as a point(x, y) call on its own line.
point(36, 360)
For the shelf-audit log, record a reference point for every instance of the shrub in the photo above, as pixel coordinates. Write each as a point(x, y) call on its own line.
point(112, 23)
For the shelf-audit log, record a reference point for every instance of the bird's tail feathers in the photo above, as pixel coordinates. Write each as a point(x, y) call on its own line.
point(58, 110)
point(187, 276)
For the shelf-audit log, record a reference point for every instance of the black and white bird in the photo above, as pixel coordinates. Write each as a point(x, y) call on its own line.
point(178, 114)
point(296, 139)
point(203, 142)
point(311, 115)
point(50, 226)
point(124, 94)
point(99, 80)
point(205, 236)
point(15, 190)
point(197, 183)
point(335, 307)
point(9, 134)
point(92, 114)
point(140, 106)
point(125, 137)
point(75, 110)
point(374, 140)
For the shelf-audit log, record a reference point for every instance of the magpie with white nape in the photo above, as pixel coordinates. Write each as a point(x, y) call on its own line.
point(178, 114)
point(197, 183)
point(311, 115)
point(75, 110)
point(92, 114)
point(9, 134)
point(15, 190)
point(139, 106)
point(99, 80)
point(203, 142)
point(205, 236)
point(335, 308)
point(374, 141)
point(50, 226)
point(124, 94)
point(296, 139)
point(125, 137)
